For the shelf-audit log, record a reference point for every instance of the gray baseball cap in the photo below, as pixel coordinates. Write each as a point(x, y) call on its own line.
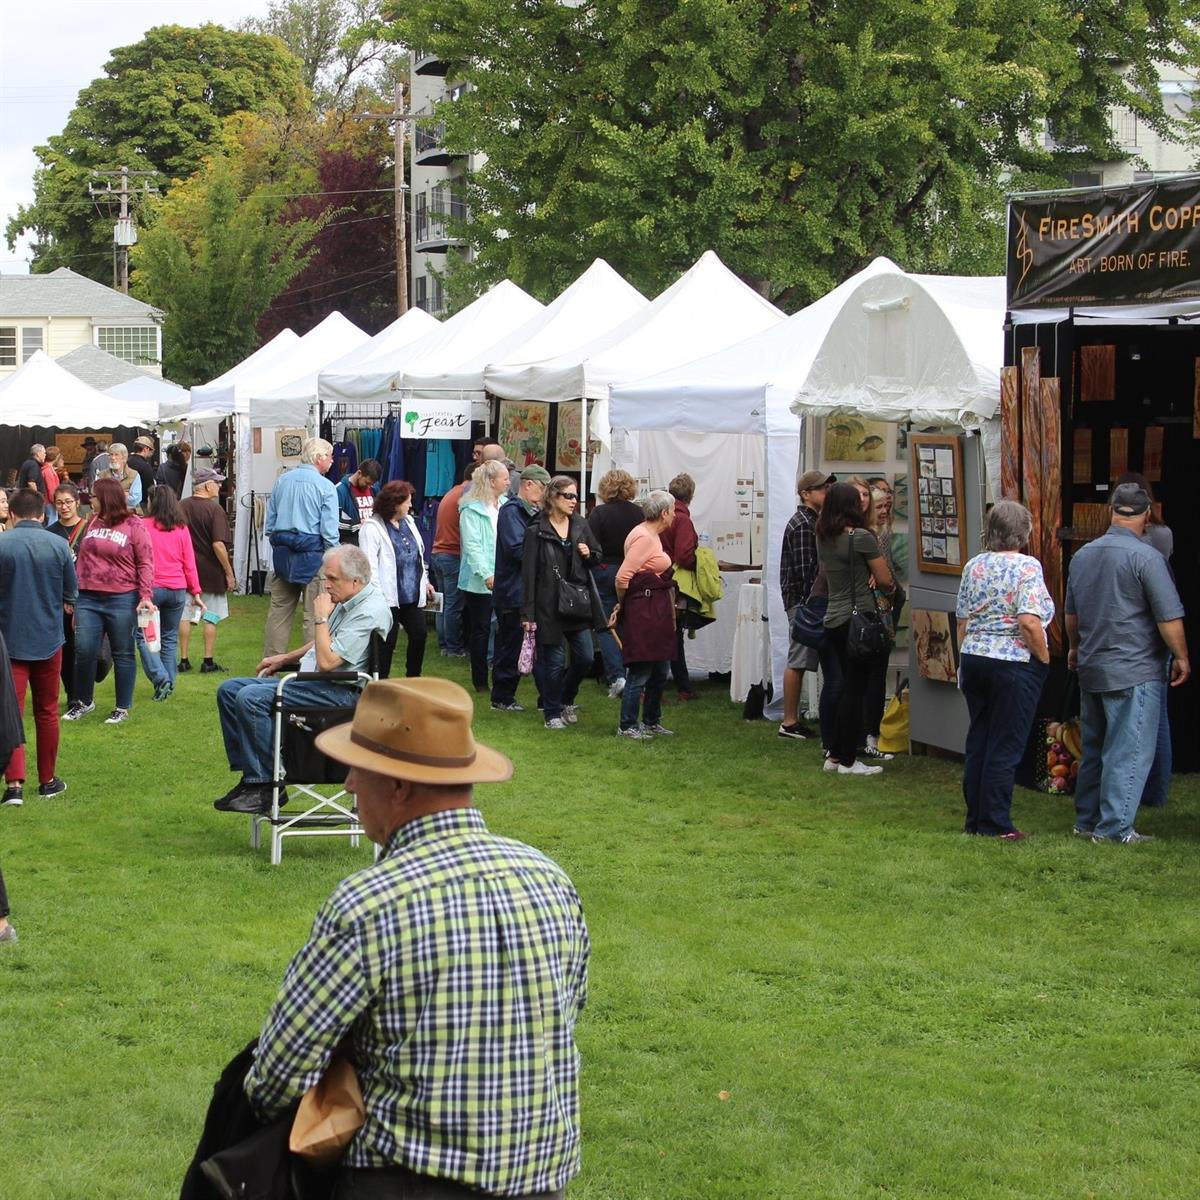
point(1129, 500)
point(206, 475)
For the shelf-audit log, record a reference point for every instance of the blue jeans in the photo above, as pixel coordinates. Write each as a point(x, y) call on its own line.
point(449, 621)
point(244, 706)
point(1159, 780)
point(1002, 699)
point(98, 613)
point(605, 576)
point(1120, 736)
point(560, 684)
point(644, 683)
point(161, 667)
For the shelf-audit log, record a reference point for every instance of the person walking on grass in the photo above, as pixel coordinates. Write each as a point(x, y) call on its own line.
point(478, 515)
point(1125, 630)
point(455, 967)
point(680, 541)
point(446, 559)
point(212, 544)
point(70, 526)
point(175, 578)
point(115, 567)
point(37, 586)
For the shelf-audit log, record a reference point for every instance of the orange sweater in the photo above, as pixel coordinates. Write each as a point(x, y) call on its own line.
point(643, 552)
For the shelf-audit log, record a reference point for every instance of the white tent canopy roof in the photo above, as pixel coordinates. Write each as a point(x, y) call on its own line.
point(290, 402)
point(171, 400)
point(921, 348)
point(596, 302)
point(41, 392)
point(706, 309)
point(747, 387)
point(218, 397)
point(333, 379)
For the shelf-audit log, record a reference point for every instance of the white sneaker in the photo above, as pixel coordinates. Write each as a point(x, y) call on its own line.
point(570, 714)
point(636, 734)
point(830, 764)
point(117, 716)
point(556, 723)
point(616, 688)
point(659, 730)
point(858, 768)
point(77, 710)
point(873, 751)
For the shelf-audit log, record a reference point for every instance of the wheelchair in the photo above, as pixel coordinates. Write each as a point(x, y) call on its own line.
point(313, 778)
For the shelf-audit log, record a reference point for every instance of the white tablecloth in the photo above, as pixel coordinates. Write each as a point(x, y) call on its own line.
point(751, 644)
point(712, 647)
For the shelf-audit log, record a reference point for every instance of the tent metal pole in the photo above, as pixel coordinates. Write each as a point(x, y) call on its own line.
point(583, 458)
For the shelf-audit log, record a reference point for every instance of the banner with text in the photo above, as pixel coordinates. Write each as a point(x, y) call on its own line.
point(436, 419)
point(1130, 245)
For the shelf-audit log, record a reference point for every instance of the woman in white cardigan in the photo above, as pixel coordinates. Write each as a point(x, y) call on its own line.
point(392, 543)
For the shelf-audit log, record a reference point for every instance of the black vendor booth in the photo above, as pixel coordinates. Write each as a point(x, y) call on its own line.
point(1102, 355)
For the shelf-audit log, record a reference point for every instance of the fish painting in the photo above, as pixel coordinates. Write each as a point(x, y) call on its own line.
point(870, 443)
point(850, 438)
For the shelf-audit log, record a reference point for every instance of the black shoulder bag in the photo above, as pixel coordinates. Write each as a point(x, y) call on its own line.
point(867, 638)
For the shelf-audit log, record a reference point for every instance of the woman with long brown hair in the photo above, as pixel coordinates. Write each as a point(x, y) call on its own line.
point(115, 566)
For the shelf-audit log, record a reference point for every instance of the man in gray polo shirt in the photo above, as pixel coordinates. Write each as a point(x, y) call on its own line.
point(1125, 625)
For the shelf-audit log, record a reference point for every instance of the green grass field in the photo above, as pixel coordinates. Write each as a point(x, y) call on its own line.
point(802, 985)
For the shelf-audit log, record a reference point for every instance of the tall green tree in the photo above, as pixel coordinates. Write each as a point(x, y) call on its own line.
point(338, 42)
point(158, 107)
point(797, 139)
point(213, 258)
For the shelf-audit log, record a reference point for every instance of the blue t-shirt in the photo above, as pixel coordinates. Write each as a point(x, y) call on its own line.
point(408, 563)
point(1120, 589)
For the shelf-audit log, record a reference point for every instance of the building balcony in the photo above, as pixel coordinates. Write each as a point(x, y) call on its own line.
point(433, 231)
point(425, 62)
point(430, 146)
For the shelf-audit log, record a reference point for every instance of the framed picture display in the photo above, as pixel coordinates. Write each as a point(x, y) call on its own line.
point(936, 461)
point(568, 437)
point(524, 426)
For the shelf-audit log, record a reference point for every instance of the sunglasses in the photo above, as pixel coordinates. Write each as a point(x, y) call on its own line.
point(568, 495)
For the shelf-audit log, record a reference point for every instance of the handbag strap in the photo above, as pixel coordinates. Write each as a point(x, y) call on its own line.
point(850, 564)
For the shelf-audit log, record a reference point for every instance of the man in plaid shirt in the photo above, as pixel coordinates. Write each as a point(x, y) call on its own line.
point(798, 565)
point(455, 967)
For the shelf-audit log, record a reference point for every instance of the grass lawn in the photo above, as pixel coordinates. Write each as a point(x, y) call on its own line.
point(802, 985)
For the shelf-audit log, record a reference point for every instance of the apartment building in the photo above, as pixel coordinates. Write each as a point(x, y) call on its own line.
point(434, 172)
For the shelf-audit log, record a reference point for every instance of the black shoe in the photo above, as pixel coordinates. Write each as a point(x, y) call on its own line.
point(241, 785)
point(184, 665)
point(207, 667)
point(55, 787)
point(252, 798)
point(14, 794)
point(797, 730)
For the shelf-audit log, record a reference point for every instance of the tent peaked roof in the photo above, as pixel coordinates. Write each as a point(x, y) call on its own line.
point(747, 387)
point(925, 348)
point(485, 321)
point(343, 380)
point(41, 392)
point(599, 300)
point(285, 398)
point(218, 397)
point(172, 400)
point(707, 308)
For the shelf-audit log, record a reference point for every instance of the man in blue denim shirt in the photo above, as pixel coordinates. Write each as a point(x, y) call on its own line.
point(37, 584)
point(302, 523)
point(347, 612)
point(1124, 620)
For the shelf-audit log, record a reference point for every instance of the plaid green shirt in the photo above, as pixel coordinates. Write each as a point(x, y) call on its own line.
point(458, 962)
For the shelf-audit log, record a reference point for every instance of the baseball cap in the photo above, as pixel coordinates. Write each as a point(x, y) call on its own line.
point(536, 473)
point(814, 479)
point(1129, 500)
point(88, 441)
point(145, 442)
point(205, 475)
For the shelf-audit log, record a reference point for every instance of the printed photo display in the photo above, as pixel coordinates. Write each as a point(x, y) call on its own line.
point(937, 468)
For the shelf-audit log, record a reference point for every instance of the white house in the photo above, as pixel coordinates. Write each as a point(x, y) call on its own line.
point(62, 310)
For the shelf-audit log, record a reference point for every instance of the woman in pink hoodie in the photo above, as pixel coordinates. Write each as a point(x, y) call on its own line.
point(175, 578)
point(116, 581)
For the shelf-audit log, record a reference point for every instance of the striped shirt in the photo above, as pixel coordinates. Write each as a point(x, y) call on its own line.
point(458, 963)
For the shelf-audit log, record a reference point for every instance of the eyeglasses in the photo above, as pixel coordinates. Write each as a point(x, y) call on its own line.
point(568, 496)
point(65, 500)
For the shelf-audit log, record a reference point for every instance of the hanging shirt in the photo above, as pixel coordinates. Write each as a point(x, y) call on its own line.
point(408, 563)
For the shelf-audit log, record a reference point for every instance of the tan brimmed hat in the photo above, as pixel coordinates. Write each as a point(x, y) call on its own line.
point(418, 729)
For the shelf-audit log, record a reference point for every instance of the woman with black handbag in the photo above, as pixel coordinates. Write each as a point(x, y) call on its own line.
point(849, 552)
point(559, 597)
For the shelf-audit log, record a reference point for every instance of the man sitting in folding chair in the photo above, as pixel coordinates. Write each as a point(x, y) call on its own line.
point(347, 614)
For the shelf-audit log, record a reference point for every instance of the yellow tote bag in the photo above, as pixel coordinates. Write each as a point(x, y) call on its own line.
point(893, 728)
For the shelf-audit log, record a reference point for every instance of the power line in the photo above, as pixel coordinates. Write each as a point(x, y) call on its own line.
point(387, 274)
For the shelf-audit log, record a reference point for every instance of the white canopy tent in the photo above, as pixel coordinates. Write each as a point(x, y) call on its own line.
point(746, 389)
point(40, 392)
point(596, 302)
point(291, 402)
point(219, 397)
point(921, 348)
point(172, 400)
point(378, 378)
point(338, 381)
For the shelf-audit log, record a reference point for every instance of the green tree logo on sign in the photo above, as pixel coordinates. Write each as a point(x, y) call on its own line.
point(410, 419)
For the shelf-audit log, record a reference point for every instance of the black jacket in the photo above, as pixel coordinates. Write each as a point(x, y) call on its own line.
point(539, 578)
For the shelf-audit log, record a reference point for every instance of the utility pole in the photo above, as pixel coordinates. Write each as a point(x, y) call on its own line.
point(124, 231)
point(400, 117)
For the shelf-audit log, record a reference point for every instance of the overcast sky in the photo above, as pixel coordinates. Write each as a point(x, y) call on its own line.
point(49, 51)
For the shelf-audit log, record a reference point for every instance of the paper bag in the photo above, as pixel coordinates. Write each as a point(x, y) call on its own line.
point(330, 1114)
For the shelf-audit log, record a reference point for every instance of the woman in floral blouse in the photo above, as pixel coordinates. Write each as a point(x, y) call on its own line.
point(1003, 610)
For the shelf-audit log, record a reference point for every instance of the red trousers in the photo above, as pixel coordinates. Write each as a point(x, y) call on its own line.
point(43, 678)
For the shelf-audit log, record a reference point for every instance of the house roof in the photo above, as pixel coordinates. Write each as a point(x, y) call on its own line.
point(98, 368)
point(65, 293)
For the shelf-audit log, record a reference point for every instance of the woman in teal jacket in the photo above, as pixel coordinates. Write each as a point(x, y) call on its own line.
point(478, 512)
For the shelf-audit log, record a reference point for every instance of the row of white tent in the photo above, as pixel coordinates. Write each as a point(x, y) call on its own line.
point(713, 375)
